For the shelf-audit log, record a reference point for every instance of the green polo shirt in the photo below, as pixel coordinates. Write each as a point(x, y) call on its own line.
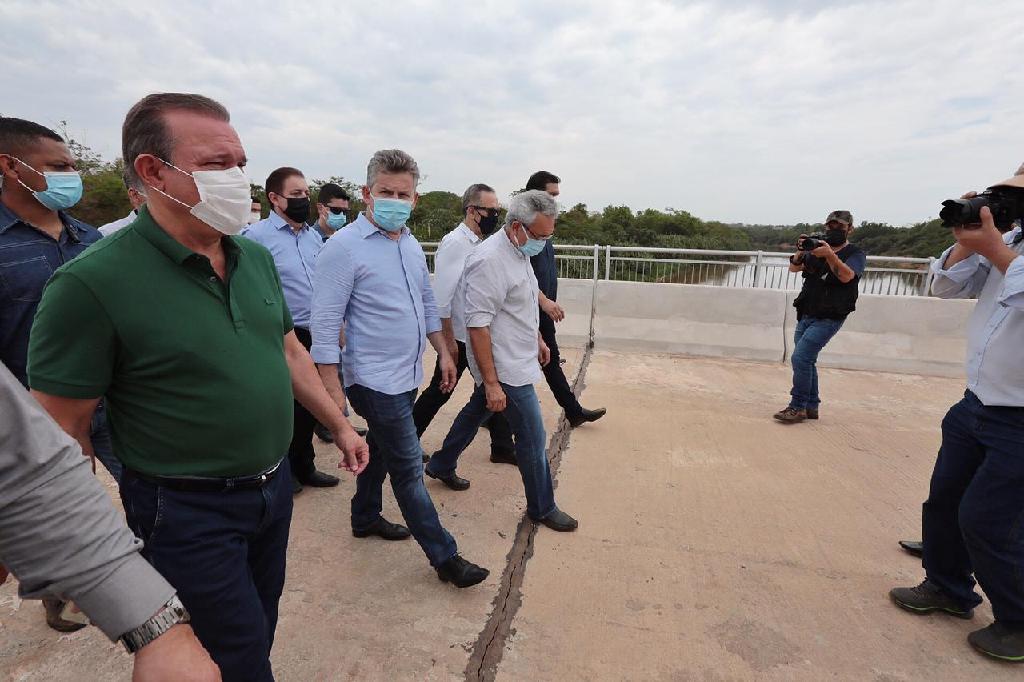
point(192, 368)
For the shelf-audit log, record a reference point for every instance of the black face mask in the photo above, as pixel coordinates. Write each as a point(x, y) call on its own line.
point(298, 209)
point(835, 237)
point(488, 223)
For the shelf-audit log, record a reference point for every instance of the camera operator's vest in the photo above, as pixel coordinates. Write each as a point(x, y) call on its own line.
point(823, 295)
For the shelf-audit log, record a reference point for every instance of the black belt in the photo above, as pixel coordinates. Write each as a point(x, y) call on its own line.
point(203, 484)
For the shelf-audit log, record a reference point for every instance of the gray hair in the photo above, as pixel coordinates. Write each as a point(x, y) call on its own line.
point(526, 206)
point(145, 131)
point(391, 161)
point(471, 197)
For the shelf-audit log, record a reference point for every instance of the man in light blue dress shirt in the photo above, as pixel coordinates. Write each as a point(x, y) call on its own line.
point(973, 520)
point(294, 246)
point(372, 279)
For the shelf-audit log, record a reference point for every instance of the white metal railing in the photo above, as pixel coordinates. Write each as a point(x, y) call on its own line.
point(892, 275)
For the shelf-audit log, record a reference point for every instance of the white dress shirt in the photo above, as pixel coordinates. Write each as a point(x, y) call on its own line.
point(995, 331)
point(119, 224)
point(501, 293)
point(449, 266)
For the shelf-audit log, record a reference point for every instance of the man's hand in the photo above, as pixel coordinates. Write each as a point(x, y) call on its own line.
point(355, 453)
point(175, 656)
point(985, 240)
point(824, 252)
point(552, 309)
point(543, 353)
point(448, 373)
point(453, 347)
point(495, 397)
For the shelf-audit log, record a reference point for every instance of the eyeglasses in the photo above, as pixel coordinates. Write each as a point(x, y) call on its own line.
point(535, 236)
point(487, 211)
point(336, 210)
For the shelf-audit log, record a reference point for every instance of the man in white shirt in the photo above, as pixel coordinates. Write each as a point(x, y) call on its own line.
point(506, 352)
point(136, 197)
point(480, 210)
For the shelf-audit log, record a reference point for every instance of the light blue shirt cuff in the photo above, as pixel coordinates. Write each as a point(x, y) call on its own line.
point(478, 320)
point(433, 324)
point(444, 311)
point(960, 272)
point(325, 353)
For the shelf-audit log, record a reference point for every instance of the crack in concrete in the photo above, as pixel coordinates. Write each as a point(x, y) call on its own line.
point(490, 646)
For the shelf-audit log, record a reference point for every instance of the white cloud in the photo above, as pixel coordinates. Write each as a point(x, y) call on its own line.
point(760, 112)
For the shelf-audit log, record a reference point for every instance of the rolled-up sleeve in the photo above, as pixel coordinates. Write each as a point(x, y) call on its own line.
point(485, 294)
point(59, 532)
point(1012, 293)
point(333, 280)
point(963, 280)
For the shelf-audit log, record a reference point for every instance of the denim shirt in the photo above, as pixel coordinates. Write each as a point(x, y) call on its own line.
point(546, 269)
point(27, 259)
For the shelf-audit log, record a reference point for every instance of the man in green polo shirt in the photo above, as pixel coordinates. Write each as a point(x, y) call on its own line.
point(183, 327)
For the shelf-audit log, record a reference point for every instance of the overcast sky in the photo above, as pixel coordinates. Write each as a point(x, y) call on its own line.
point(770, 112)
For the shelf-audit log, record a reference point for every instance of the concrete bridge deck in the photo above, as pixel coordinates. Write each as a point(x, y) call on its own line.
point(714, 545)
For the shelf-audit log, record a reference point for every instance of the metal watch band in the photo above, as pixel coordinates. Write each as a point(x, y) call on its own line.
point(172, 613)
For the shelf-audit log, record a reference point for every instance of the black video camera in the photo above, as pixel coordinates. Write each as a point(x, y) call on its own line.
point(1006, 204)
point(812, 241)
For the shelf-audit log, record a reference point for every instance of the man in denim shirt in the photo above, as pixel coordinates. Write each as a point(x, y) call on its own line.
point(36, 238)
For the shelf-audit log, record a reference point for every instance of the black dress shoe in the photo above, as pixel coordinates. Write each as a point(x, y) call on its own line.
point(452, 480)
point(914, 547)
point(319, 479)
point(502, 456)
point(323, 433)
point(296, 486)
point(461, 573)
point(383, 529)
point(587, 416)
point(560, 521)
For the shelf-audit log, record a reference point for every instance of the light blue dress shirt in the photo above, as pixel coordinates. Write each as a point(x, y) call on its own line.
point(995, 331)
point(380, 290)
point(295, 256)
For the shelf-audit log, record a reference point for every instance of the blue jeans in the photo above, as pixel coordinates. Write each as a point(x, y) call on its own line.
point(523, 413)
point(811, 336)
point(225, 555)
point(102, 447)
point(973, 520)
point(395, 450)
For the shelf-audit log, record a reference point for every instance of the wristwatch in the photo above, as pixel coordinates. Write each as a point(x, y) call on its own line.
point(172, 613)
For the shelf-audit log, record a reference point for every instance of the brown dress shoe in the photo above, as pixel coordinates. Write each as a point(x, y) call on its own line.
point(54, 611)
point(790, 415)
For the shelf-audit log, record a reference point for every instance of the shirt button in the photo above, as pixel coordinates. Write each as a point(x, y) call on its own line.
point(213, 279)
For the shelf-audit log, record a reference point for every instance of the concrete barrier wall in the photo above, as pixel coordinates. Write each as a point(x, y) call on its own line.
point(908, 334)
point(691, 319)
point(887, 333)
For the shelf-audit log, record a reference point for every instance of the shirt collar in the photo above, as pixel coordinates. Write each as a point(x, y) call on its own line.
point(368, 229)
point(9, 218)
point(470, 234)
point(280, 223)
point(171, 247)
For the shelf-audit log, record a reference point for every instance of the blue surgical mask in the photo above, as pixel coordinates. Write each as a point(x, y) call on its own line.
point(532, 247)
point(63, 190)
point(391, 214)
point(336, 221)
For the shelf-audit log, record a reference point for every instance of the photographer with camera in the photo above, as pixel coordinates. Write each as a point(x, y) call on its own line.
point(832, 268)
point(972, 518)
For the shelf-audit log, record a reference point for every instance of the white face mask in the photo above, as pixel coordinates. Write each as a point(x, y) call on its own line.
point(225, 199)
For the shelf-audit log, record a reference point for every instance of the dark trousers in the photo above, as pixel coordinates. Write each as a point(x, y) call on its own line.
point(433, 399)
point(102, 446)
point(300, 451)
point(553, 373)
point(225, 555)
point(395, 451)
point(973, 520)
